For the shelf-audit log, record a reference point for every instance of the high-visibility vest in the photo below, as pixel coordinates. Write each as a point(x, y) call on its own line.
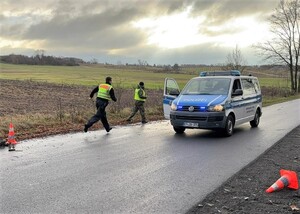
point(136, 95)
point(103, 91)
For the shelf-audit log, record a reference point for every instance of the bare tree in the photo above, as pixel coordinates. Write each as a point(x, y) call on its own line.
point(235, 60)
point(39, 53)
point(142, 62)
point(176, 67)
point(94, 61)
point(284, 46)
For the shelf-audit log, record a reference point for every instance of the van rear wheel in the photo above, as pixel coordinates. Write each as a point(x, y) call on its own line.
point(179, 130)
point(228, 130)
point(254, 123)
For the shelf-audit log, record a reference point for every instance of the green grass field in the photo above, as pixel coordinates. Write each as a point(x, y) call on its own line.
point(126, 77)
point(89, 75)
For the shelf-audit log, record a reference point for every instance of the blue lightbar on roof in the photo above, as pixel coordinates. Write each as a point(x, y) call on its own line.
point(220, 73)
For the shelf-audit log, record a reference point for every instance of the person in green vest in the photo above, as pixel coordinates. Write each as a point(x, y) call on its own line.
point(105, 92)
point(140, 98)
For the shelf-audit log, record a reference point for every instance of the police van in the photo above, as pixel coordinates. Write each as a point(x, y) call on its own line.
point(214, 100)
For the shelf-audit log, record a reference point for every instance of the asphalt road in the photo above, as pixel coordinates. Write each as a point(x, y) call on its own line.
point(133, 169)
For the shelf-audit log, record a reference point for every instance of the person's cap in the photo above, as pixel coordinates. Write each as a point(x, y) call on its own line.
point(141, 83)
point(108, 79)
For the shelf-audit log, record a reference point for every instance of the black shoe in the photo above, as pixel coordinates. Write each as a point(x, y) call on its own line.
point(11, 148)
point(144, 122)
point(109, 129)
point(85, 128)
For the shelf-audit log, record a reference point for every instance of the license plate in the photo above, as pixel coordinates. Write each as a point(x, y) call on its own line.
point(186, 124)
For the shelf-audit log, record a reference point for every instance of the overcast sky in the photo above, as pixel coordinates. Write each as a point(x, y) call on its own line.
point(125, 31)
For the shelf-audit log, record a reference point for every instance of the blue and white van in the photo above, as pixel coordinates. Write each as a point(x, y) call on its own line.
point(214, 100)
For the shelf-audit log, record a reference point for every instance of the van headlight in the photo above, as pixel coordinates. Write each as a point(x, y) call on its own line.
point(216, 108)
point(173, 107)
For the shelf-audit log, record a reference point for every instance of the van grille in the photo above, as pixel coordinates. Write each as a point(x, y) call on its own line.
point(196, 108)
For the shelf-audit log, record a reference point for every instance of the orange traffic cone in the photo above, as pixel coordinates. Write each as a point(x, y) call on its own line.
point(288, 179)
point(11, 141)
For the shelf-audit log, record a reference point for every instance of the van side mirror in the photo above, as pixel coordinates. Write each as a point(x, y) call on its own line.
point(237, 92)
point(174, 92)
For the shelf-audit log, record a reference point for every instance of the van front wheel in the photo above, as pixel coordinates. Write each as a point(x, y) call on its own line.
point(178, 130)
point(228, 130)
point(254, 123)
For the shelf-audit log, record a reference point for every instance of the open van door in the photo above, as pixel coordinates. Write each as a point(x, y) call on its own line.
point(171, 91)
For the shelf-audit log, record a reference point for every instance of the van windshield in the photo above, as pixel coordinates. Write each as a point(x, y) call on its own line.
point(207, 86)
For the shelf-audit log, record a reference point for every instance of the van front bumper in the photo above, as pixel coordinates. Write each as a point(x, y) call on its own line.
point(198, 120)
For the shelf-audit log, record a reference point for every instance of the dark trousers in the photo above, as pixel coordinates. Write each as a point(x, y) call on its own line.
point(100, 114)
point(139, 106)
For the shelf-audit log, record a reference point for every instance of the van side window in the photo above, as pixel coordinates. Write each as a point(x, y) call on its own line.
point(171, 87)
point(248, 87)
point(256, 85)
point(236, 85)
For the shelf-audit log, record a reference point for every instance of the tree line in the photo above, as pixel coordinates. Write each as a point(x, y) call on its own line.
point(40, 59)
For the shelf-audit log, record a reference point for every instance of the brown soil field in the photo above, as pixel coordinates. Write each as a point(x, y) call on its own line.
point(67, 106)
point(25, 97)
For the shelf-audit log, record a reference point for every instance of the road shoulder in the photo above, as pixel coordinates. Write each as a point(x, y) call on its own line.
point(245, 192)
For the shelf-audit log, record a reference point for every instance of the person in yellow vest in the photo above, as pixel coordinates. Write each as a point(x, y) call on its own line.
point(105, 92)
point(140, 98)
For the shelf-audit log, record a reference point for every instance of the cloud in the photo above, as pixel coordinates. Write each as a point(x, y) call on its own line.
point(104, 31)
point(218, 12)
point(104, 27)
